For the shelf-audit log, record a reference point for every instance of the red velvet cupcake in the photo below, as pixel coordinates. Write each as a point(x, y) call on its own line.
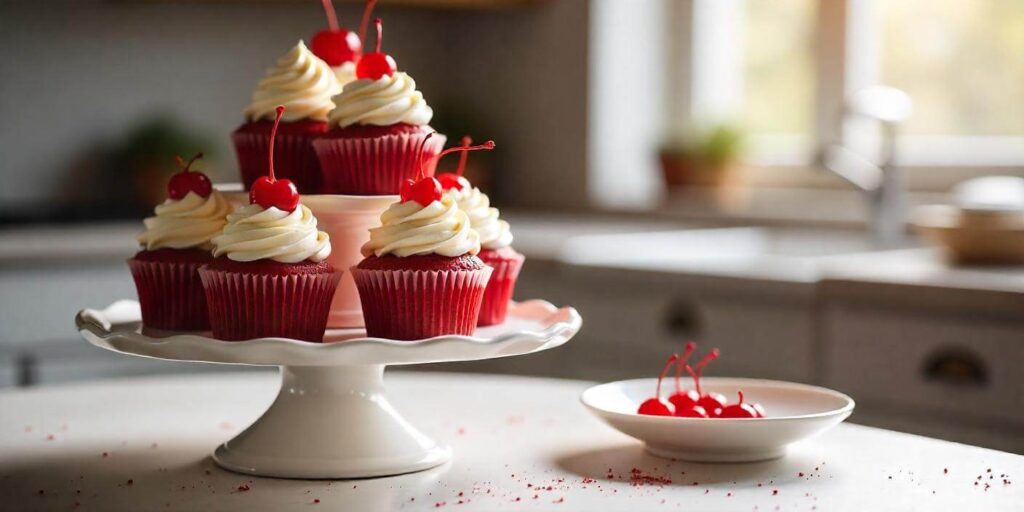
point(420, 296)
point(495, 242)
point(378, 126)
point(304, 84)
point(176, 244)
point(270, 278)
point(421, 277)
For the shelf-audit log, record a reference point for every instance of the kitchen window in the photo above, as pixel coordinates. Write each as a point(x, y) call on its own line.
point(798, 59)
point(782, 69)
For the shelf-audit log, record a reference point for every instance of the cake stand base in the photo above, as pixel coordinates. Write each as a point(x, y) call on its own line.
point(331, 422)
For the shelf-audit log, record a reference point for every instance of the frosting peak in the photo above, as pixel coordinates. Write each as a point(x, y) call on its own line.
point(254, 233)
point(409, 229)
point(189, 222)
point(382, 102)
point(494, 232)
point(301, 82)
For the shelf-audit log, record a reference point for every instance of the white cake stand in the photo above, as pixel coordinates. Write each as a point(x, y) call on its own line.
point(332, 418)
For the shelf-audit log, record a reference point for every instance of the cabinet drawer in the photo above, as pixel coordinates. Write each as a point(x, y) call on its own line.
point(926, 363)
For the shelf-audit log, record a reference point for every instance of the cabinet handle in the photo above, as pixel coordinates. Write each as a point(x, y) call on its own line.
point(956, 367)
point(683, 319)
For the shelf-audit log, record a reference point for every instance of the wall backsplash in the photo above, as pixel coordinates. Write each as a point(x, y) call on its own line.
point(80, 74)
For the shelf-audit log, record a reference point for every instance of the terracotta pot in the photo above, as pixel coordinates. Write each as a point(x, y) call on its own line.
point(681, 171)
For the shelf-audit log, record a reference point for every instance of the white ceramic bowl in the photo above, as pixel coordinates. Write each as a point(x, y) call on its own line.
point(794, 412)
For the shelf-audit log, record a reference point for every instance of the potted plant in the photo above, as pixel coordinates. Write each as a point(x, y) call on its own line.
point(703, 157)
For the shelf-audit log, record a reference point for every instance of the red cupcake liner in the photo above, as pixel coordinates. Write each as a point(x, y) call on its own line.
point(294, 158)
point(506, 267)
point(244, 306)
point(415, 304)
point(170, 294)
point(374, 166)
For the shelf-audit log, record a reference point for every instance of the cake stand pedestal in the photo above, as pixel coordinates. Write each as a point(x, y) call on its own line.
point(331, 418)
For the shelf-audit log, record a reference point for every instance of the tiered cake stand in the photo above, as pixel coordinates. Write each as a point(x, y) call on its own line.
point(331, 418)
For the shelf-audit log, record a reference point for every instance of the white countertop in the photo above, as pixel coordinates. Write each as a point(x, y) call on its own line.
point(520, 444)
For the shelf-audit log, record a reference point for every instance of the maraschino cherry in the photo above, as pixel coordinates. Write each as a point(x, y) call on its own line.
point(711, 402)
point(376, 64)
point(268, 191)
point(686, 400)
point(658, 406)
point(188, 181)
point(336, 45)
point(740, 410)
point(455, 180)
point(424, 189)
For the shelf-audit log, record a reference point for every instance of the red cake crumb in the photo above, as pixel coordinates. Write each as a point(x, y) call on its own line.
point(316, 500)
point(50, 437)
point(559, 500)
point(639, 478)
point(775, 492)
point(243, 487)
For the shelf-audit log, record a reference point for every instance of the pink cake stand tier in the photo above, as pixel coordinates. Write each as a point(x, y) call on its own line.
point(347, 220)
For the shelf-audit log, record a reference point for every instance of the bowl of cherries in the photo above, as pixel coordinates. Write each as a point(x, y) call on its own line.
point(704, 423)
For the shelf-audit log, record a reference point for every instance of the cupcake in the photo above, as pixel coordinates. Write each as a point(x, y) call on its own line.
point(304, 84)
point(495, 241)
point(270, 277)
point(377, 127)
point(175, 244)
point(421, 277)
point(339, 47)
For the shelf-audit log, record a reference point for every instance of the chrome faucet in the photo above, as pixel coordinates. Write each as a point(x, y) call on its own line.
point(879, 178)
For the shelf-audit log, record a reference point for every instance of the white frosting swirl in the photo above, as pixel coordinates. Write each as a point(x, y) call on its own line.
point(254, 233)
point(301, 82)
point(386, 101)
point(189, 222)
point(345, 73)
point(410, 228)
point(494, 232)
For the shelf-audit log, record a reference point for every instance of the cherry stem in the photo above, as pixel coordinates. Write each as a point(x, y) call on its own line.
point(664, 371)
point(690, 347)
point(365, 23)
point(466, 141)
point(696, 379)
point(419, 153)
point(380, 33)
point(708, 358)
point(186, 165)
point(273, 135)
point(486, 145)
point(332, 16)
point(741, 396)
